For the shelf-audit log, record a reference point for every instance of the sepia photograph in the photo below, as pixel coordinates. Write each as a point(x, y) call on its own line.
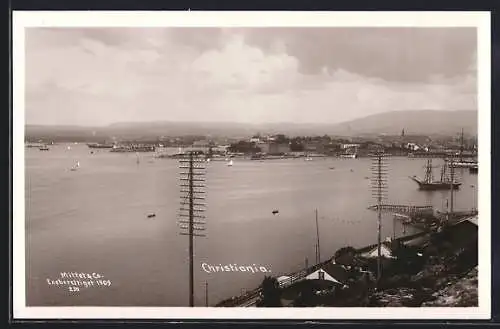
point(209, 165)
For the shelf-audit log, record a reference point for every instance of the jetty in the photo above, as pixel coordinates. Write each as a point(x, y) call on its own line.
point(409, 210)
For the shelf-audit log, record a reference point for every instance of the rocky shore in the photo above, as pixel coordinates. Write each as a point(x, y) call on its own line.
point(462, 293)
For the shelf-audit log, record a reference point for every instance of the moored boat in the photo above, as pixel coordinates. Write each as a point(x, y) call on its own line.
point(429, 184)
point(349, 156)
point(99, 146)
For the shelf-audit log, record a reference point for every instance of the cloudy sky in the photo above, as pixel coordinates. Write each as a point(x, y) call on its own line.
point(97, 76)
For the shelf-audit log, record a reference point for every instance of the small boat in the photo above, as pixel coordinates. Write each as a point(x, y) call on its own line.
point(76, 166)
point(275, 211)
point(151, 215)
point(349, 156)
point(44, 148)
point(99, 146)
point(230, 163)
point(464, 164)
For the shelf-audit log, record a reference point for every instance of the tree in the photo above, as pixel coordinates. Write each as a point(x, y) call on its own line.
point(280, 138)
point(296, 146)
point(345, 256)
point(271, 293)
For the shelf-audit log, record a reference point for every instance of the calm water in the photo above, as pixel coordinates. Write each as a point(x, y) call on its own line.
point(94, 220)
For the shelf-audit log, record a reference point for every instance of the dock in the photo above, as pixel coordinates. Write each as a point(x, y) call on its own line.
point(409, 210)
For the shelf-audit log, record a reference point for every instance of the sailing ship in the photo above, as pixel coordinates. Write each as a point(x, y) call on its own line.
point(230, 163)
point(429, 184)
point(463, 163)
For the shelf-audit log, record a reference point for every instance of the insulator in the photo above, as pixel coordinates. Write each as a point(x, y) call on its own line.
point(194, 168)
point(194, 216)
point(196, 210)
point(197, 228)
point(194, 191)
point(194, 234)
point(194, 222)
point(194, 204)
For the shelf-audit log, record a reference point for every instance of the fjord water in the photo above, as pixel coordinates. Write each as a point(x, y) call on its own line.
point(94, 220)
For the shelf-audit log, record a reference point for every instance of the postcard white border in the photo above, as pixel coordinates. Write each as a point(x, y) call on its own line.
point(480, 20)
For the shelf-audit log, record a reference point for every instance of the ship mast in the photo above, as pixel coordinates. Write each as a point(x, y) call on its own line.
point(428, 172)
point(461, 145)
point(443, 171)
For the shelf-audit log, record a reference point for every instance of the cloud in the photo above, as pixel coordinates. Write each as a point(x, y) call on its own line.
point(100, 76)
point(240, 66)
point(396, 54)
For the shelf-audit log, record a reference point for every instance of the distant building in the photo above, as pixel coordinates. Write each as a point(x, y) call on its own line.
point(274, 148)
point(349, 146)
point(412, 147)
point(220, 149)
point(201, 145)
point(314, 147)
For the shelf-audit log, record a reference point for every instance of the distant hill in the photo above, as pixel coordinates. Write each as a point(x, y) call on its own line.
point(413, 122)
point(425, 122)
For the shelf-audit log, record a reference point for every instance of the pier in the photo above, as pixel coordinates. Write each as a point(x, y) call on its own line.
point(440, 155)
point(405, 209)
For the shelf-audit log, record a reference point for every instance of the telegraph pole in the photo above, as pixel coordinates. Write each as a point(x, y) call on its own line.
point(206, 293)
point(452, 181)
point(379, 192)
point(191, 219)
point(317, 238)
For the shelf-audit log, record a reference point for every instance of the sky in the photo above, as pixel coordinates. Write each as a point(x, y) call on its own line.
point(99, 76)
